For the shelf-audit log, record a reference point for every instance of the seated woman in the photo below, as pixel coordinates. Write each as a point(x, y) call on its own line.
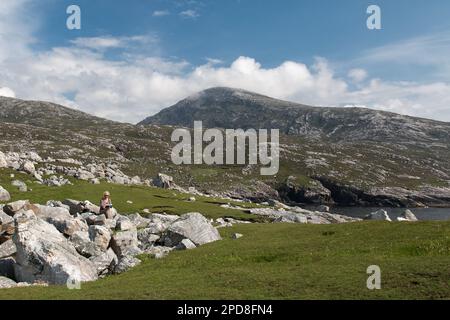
point(106, 205)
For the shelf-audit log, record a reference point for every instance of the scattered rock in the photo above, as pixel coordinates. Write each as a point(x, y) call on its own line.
point(22, 186)
point(236, 236)
point(126, 263)
point(192, 226)
point(4, 195)
point(407, 215)
point(378, 215)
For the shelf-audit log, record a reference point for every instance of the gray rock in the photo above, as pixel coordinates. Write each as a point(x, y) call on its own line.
point(192, 226)
point(3, 160)
point(163, 181)
point(7, 249)
point(138, 220)
point(101, 236)
point(126, 263)
point(4, 195)
point(13, 207)
point(158, 252)
point(61, 219)
point(6, 283)
point(84, 245)
point(380, 215)
point(22, 186)
point(105, 262)
point(125, 243)
point(7, 267)
point(124, 224)
point(236, 236)
point(45, 255)
point(407, 215)
point(28, 167)
point(186, 244)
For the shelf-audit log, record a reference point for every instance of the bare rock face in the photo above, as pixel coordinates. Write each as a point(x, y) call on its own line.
point(45, 255)
point(192, 226)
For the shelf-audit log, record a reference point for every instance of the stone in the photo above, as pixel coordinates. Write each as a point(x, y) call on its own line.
point(236, 236)
point(7, 227)
point(7, 267)
point(22, 186)
point(125, 243)
point(124, 224)
point(380, 215)
point(126, 263)
point(61, 219)
point(7, 249)
point(158, 252)
point(191, 199)
point(13, 207)
point(192, 226)
point(3, 161)
point(138, 221)
point(101, 236)
point(95, 181)
point(146, 238)
point(105, 262)
point(45, 255)
point(163, 181)
point(186, 244)
point(407, 215)
point(84, 245)
point(323, 208)
point(4, 195)
point(6, 283)
point(28, 167)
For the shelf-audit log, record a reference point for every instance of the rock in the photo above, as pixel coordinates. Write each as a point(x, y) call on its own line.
point(7, 267)
point(7, 227)
point(129, 202)
point(186, 244)
point(13, 207)
point(378, 215)
point(101, 236)
point(292, 217)
point(3, 161)
point(191, 199)
point(20, 185)
point(192, 226)
point(139, 221)
point(146, 238)
point(407, 215)
point(165, 219)
point(6, 283)
point(84, 175)
point(158, 252)
point(136, 180)
point(125, 243)
point(4, 195)
point(84, 245)
point(28, 167)
point(323, 208)
point(95, 181)
point(163, 181)
point(296, 190)
point(126, 263)
point(236, 236)
point(45, 255)
point(105, 262)
point(57, 204)
point(7, 249)
point(61, 219)
point(87, 206)
point(124, 224)
point(73, 206)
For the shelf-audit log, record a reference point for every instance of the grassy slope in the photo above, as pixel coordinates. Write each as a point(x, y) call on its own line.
point(285, 261)
point(274, 261)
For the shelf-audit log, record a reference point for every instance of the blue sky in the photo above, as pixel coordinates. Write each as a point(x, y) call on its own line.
point(320, 51)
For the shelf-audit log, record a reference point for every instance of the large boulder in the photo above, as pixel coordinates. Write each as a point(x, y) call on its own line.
point(45, 255)
point(407, 215)
point(4, 195)
point(125, 243)
point(28, 167)
point(105, 262)
point(13, 207)
point(61, 219)
point(192, 226)
point(100, 235)
point(84, 245)
point(126, 263)
point(7, 267)
point(7, 227)
point(22, 186)
point(138, 220)
point(380, 215)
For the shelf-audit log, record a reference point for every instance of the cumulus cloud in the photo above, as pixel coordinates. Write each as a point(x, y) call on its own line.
point(7, 92)
point(82, 75)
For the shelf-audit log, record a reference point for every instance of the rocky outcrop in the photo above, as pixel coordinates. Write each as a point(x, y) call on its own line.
point(45, 255)
point(310, 192)
point(380, 215)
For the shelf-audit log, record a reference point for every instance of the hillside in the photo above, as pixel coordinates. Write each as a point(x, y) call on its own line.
point(234, 108)
point(315, 167)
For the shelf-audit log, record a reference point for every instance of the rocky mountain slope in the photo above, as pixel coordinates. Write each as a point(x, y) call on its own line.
point(401, 162)
point(234, 108)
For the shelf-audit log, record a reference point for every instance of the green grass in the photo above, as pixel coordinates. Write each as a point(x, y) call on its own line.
point(154, 199)
point(286, 261)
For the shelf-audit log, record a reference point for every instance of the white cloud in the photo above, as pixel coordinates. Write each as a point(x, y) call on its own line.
point(129, 89)
point(357, 75)
point(7, 92)
point(190, 14)
point(161, 13)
